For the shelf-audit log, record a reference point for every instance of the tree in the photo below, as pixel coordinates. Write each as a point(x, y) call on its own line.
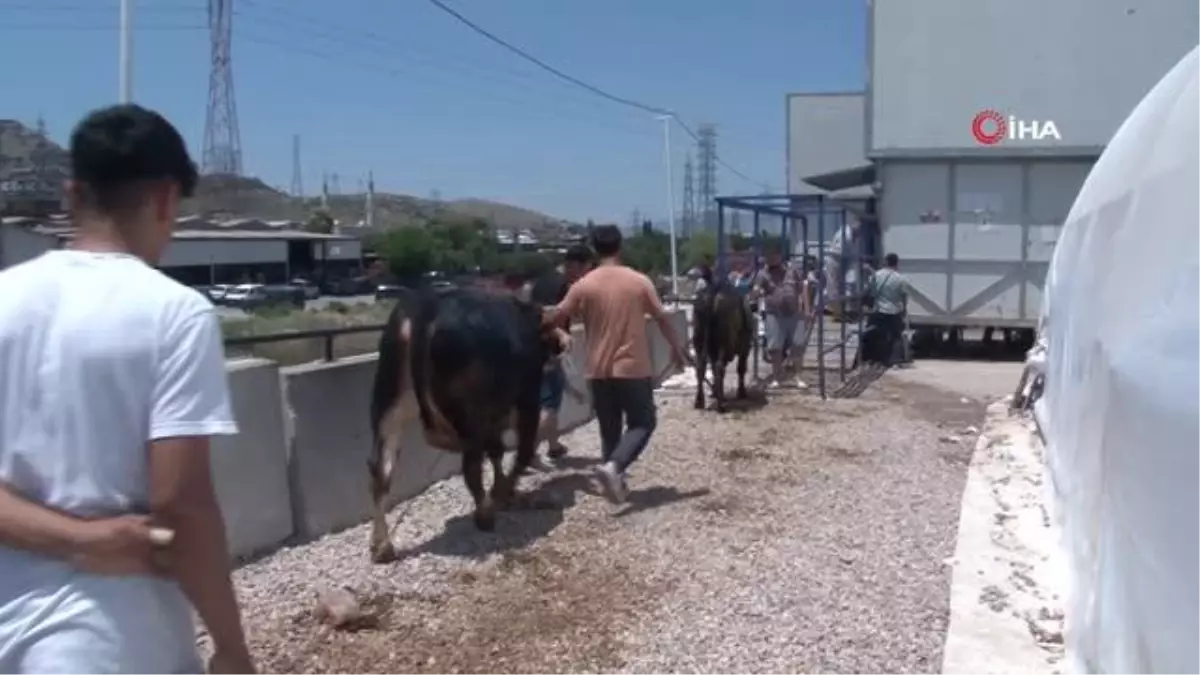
point(648, 252)
point(408, 252)
point(700, 247)
point(320, 222)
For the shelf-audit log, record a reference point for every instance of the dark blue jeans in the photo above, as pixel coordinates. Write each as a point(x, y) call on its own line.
point(554, 383)
point(627, 403)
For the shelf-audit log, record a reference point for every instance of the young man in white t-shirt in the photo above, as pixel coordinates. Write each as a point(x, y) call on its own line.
point(113, 380)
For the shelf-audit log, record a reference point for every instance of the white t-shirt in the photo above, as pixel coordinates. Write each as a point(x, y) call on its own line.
point(99, 354)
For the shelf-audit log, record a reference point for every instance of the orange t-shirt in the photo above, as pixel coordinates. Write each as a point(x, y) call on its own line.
point(612, 301)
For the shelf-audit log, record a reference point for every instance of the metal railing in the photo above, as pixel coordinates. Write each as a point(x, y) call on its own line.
point(327, 335)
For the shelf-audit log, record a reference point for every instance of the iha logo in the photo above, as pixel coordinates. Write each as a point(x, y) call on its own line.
point(989, 127)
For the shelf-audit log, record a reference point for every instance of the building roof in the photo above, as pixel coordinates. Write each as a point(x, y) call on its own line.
point(68, 232)
point(844, 179)
point(193, 228)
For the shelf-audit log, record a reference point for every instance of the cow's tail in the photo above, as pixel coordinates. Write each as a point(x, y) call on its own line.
point(389, 375)
point(423, 318)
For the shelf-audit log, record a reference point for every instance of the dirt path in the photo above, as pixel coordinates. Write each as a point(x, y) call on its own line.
point(800, 536)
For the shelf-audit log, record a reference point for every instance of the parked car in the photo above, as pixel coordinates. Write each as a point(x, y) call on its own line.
point(387, 291)
point(257, 296)
point(217, 293)
point(348, 286)
point(311, 290)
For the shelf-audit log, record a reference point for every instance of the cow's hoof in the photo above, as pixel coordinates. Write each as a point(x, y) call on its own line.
point(383, 553)
point(721, 408)
point(502, 494)
point(699, 404)
point(742, 395)
point(485, 519)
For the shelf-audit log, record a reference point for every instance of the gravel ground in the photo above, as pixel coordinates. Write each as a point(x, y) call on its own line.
point(799, 536)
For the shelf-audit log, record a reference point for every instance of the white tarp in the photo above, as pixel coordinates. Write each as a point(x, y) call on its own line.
point(1120, 407)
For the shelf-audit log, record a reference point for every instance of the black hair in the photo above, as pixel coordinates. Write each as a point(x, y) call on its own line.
point(891, 260)
point(578, 253)
point(115, 150)
point(606, 240)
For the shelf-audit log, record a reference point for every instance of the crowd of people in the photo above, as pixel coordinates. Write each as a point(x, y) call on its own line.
point(789, 295)
point(114, 384)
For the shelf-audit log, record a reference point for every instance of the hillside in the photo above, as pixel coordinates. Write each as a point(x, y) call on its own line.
point(23, 149)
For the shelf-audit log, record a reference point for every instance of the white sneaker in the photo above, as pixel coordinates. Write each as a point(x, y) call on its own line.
point(613, 482)
point(801, 384)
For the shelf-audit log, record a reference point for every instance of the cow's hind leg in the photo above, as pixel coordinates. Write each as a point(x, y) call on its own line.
point(380, 468)
point(743, 358)
point(527, 415)
point(719, 365)
point(472, 468)
point(701, 372)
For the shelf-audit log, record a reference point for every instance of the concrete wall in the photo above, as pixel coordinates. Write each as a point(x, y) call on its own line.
point(297, 469)
point(1083, 64)
point(825, 132)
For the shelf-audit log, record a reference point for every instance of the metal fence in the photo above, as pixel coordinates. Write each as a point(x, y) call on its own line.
point(326, 335)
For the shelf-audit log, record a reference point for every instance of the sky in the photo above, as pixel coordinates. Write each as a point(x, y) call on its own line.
point(401, 89)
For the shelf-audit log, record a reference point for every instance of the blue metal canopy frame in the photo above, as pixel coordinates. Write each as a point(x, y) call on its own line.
point(808, 211)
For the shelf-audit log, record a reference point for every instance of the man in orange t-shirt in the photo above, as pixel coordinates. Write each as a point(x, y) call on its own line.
point(613, 301)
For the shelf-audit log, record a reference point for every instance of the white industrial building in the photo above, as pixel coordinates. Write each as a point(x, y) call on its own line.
point(205, 252)
point(977, 127)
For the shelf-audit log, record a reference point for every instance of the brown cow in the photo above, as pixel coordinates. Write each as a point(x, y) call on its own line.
point(467, 364)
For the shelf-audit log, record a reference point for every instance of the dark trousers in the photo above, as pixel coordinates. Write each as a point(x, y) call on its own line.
point(628, 404)
point(883, 333)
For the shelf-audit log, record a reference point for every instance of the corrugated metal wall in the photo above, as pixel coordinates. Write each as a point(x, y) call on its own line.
point(984, 260)
point(1082, 63)
point(183, 252)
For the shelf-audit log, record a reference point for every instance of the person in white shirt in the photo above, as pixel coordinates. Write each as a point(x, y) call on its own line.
point(113, 380)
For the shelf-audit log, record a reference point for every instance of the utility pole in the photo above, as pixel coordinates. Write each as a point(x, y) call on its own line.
point(707, 159)
point(667, 120)
point(370, 199)
point(689, 198)
point(222, 139)
point(325, 191)
point(125, 64)
point(297, 177)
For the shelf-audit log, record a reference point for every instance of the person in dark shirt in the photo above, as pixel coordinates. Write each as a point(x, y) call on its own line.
point(549, 290)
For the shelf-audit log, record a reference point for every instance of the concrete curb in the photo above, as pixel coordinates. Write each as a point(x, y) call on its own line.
point(1008, 592)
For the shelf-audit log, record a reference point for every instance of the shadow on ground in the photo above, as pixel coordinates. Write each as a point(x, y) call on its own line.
point(539, 512)
point(654, 497)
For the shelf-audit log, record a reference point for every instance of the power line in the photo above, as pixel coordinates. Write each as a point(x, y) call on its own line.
point(6, 26)
point(483, 79)
point(653, 110)
point(644, 107)
point(291, 46)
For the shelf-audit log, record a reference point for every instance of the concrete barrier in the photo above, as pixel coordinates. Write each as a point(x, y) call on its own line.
point(298, 469)
point(250, 469)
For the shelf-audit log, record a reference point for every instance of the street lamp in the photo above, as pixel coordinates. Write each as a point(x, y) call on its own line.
point(666, 120)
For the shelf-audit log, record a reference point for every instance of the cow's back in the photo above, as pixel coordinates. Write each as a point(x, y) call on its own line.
point(474, 351)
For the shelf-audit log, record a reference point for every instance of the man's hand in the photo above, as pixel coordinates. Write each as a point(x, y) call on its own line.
point(222, 662)
point(564, 340)
point(121, 546)
point(679, 359)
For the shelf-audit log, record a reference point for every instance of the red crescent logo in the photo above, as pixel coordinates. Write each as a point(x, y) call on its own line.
point(981, 131)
